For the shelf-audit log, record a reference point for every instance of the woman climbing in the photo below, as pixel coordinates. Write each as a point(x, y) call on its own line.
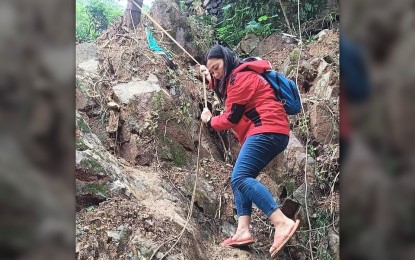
point(261, 125)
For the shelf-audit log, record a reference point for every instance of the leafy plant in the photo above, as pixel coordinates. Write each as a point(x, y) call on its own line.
point(253, 26)
point(202, 31)
point(151, 122)
point(93, 17)
point(265, 17)
point(302, 127)
point(257, 18)
point(312, 151)
point(183, 114)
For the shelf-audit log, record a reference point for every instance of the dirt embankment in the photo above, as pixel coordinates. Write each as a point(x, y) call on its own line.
point(137, 152)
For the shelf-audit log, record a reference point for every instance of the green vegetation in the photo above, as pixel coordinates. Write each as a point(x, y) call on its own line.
point(94, 16)
point(151, 122)
point(322, 222)
point(322, 219)
point(96, 188)
point(264, 18)
point(311, 151)
point(158, 105)
point(80, 145)
point(243, 17)
point(203, 32)
point(289, 185)
point(302, 127)
point(183, 114)
point(173, 151)
point(158, 102)
point(92, 164)
point(80, 84)
point(309, 9)
point(294, 55)
point(82, 125)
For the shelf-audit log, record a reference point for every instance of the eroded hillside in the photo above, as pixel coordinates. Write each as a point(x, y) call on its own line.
point(137, 141)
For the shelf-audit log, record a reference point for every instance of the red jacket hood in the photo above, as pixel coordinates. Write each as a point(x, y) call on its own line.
point(259, 66)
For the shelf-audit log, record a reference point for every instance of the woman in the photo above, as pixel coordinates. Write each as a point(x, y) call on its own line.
point(261, 125)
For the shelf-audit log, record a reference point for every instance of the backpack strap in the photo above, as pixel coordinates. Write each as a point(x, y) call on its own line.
point(270, 83)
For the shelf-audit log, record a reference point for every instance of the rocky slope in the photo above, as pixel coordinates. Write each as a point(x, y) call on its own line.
point(137, 140)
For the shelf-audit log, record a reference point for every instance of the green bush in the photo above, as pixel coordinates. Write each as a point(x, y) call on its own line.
point(264, 17)
point(93, 17)
point(242, 17)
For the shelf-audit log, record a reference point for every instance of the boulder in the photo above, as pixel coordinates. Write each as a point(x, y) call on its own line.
point(130, 151)
point(113, 119)
point(299, 196)
point(84, 101)
point(205, 197)
point(169, 16)
point(89, 66)
point(307, 70)
point(249, 43)
point(289, 65)
point(289, 166)
point(323, 86)
point(137, 152)
point(87, 58)
point(273, 42)
point(322, 123)
point(81, 100)
point(97, 172)
point(125, 92)
point(86, 52)
point(322, 34)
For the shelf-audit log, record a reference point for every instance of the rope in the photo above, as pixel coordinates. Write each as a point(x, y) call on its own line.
point(161, 28)
point(306, 145)
point(189, 215)
point(204, 91)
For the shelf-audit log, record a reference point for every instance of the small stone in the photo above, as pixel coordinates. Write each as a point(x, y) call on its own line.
point(78, 232)
point(114, 235)
point(120, 228)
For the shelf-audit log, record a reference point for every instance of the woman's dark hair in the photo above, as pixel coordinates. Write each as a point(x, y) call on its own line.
point(230, 62)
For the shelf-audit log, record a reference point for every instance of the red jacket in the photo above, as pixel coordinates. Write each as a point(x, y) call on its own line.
point(251, 106)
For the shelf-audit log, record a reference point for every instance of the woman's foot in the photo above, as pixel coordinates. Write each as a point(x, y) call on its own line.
point(242, 235)
point(284, 230)
point(241, 238)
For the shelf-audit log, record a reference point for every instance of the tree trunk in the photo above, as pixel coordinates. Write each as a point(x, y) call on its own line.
point(291, 31)
point(132, 14)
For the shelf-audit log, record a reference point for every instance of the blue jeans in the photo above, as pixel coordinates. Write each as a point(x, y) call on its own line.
point(256, 152)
